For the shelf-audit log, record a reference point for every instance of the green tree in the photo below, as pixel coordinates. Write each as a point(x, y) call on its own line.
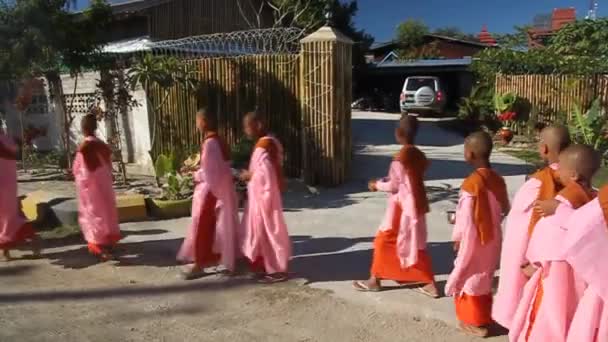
point(42, 38)
point(582, 38)
point(410, 34)
point(516, 40)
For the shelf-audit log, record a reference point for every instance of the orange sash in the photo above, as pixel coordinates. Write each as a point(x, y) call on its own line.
point(478, 184)
point(603, 198)
point(550, 186)
point(576, 195)
point(415, 164)
point(270, 147)
point(223, 145)
point(6, 153)
point(95, 153)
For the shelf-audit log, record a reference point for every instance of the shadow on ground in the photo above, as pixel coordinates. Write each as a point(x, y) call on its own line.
point(316, 260)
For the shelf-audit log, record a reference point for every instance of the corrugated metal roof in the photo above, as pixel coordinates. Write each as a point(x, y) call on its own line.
point(425, 63)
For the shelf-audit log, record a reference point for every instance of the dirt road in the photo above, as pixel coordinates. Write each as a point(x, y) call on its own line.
point(128, 302)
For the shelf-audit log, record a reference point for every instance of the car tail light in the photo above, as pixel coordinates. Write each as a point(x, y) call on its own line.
point(402, 97)
point(439, 96)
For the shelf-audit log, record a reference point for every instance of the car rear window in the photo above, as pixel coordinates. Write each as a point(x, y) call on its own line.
point(417, 83)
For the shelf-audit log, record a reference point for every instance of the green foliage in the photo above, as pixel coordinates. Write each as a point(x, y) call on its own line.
point(176, 186)
point(478, 107)
point(582, 38)
point(410, 34)
point(590, 128)
point(162, 71)
point(42, 36)
point(515, 40)
point(241, 153)
point(504, 102)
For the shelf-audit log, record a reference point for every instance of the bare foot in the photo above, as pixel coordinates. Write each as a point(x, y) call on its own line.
point(371, 285)
point(474, 331)
point(36, 247)
point(429, 290)
point(193, 272)
point(6, 255)
point(274, 278)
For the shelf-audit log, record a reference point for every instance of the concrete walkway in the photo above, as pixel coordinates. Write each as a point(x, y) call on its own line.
point(333, 243)
point(332, 231)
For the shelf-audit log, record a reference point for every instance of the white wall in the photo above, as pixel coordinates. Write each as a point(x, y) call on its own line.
point(135, 133)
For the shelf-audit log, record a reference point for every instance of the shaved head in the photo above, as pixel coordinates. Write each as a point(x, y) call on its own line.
point(88, 124)
point(209, 118)
point(480, 144)
point(408, 127)
point(254, 124)
point(580, 161)
point(556, 137)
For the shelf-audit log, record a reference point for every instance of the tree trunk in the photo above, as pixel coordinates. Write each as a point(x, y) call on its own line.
point(56, 93)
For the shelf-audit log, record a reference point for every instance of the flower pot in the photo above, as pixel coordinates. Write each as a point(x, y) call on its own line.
point(506, 135)
point(168, 209)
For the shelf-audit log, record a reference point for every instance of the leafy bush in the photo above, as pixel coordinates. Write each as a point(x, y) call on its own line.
point(241, 153)
point(176, 186)
point(478, 107)
point(590, 128)
point(504, 102)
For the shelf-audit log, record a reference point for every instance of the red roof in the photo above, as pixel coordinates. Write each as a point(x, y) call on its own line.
point(561, 17)
point(485, 37)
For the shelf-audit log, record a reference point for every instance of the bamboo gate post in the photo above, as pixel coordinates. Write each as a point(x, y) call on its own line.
point(326, 93)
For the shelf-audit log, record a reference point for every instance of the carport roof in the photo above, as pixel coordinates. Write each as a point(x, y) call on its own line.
point(438, 65)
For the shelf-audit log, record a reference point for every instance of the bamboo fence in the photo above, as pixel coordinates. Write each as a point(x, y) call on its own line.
point(553, 97)
point(230, 87)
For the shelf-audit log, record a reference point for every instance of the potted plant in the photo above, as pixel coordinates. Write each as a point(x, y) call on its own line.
point(177, 190)
point(505, 112)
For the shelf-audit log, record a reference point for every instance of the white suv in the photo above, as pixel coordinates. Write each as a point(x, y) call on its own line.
point(422, 94)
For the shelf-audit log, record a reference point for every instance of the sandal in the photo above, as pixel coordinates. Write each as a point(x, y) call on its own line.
point(473, 331)
point(362, 286)
point(426, 292)
point(274, 278)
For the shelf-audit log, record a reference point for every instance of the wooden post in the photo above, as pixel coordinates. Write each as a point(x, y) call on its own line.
point(326, 96)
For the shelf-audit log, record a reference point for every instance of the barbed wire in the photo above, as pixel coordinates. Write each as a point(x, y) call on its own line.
point(239, 43)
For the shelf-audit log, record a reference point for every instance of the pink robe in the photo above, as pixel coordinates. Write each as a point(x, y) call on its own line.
point(475, 263)
point(214, 177)
point(554, 309)
point(412, 228)
point(97, 213)
point(266, 240)
point(586, 251)
point(516, 237)
point(11, 222)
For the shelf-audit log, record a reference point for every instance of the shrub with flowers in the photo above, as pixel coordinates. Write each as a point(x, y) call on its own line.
point(504, 105)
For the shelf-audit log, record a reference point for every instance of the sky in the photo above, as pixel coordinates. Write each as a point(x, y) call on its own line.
point(381, 17)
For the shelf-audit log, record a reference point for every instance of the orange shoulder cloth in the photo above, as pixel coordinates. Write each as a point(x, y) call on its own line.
point(95, 153)
point(415, 164)
point(222, 142)
point(603, 198)
point(550, 186)
point(6, 153)
point(577, 195)
point(273, 151)
point(478, 184)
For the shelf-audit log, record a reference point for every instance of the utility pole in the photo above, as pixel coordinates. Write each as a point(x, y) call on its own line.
point(593, 6)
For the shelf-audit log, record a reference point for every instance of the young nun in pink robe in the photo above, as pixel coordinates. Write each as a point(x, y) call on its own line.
point(266, 242)
point(212, 237)
point(586, 251)
point(14, 230)
point(400, 244)
point(551, 295)
point(97, 213)
point(477, 237)
point(543, 185)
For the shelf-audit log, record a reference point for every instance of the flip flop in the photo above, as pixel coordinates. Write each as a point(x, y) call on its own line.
point(363, 287)
point(189, 275)
point(423, 291)
point(473, 331)
point(272, 279)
